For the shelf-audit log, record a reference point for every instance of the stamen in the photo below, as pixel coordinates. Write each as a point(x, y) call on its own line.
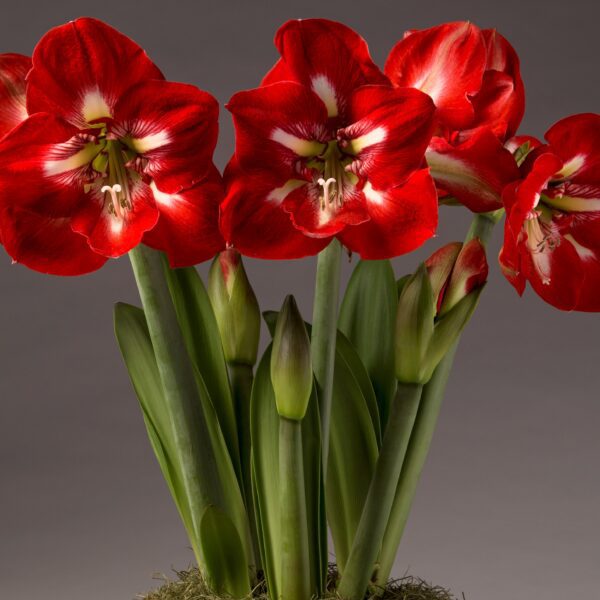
point(325, 184)
point(115, 205)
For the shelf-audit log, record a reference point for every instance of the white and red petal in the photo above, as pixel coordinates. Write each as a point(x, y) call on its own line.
point(13, 69)
point(327, 57)
point(277, 125)
point(447, 62)
point(82, 68)
point(401, 219)
point(474, 171)
point(188, 226)
point(172, 127)
point(254, 221)
point(391, 128)
point(576, 140)
point(44, 243)
point(113, 235)
point(439, 268)
point(500, 104)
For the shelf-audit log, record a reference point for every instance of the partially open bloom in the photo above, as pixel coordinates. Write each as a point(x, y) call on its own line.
point(13, 69)
point(552, 230)
point(473, 76)
point(327, 148)
point(110, 155)
point(435, 304)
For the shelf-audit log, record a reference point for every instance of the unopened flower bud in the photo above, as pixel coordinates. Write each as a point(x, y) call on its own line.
point(291, 366)
point(235, 306)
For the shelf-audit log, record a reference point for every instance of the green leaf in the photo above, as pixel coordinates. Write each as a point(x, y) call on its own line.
point(264, 424)
point(201, 333)
point(367, 318)
point(223, 554)
point(134, 341)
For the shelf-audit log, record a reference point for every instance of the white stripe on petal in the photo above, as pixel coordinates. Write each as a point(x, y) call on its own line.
point(301, 147)
point(150, 142)
point(323, 88)
point(94, 106)
point(583, 252)
point(278, 195)
point(70, 163)
point(571, 167)
point(373, 196)
point(166, 200)
point(375, 136)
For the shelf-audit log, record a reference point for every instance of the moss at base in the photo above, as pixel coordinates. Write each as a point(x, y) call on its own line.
point(189, 585)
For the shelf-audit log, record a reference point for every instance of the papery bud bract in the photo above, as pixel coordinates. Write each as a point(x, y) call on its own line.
point(414, 326)
point(235, 306)
point(291, 365)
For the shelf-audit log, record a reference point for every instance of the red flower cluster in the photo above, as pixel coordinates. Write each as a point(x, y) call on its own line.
point(99, 153)
point(108, 154)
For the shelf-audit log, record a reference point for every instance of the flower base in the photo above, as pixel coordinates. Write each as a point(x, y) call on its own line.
point(189, 585)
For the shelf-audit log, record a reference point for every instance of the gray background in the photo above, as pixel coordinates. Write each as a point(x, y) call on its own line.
point(508, 505)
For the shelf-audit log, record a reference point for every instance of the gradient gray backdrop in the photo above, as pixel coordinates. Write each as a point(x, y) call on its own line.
point(508, 505)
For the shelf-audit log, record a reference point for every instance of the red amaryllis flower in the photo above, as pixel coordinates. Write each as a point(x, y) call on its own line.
point(552, 230)
point(327, 148)
point(110, 155)
point(13, 69)
point(473, 77)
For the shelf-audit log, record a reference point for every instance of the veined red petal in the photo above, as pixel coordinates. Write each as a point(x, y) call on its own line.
point(172, 126)
point(276, 125)
point(82, 68)
point(327, 57)
point(188, 226)
point(13, 69)
point(401, 219)
point(447, 62)
point(500, 104)
point(576, 140)
point(112, 235)
point(391, 128)
point(474, 171)
point(253, 220)
point(45, 244)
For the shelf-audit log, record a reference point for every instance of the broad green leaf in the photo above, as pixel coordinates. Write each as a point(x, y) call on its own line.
point(134, 341)
point(264, 424)
point(224, 554)
point(367, 318)
point(201, 333)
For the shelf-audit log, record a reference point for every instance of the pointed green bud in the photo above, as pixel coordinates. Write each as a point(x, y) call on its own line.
point(235, 307)
point(414, 326)
point(291, 365)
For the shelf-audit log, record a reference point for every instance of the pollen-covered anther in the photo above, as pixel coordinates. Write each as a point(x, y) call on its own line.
point(116, 206)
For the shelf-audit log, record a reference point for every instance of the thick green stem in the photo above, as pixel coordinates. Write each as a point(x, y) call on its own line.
point(360, 566)
point(324, 331)
point(420, 440)
point(195, 459)
point(241, 378)
point(295, 563)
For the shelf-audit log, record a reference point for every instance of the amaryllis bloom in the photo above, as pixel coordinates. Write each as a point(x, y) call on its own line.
point(552, 230)
point(13, 69)
point(473, 76)
point(325, 148)
point(111, 155)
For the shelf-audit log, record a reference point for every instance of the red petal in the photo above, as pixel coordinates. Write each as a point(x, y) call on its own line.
point(188, 226)
point(325, 56)
point(474, 171)
point(173, 126)
point(500, 104)
point(113, 236)
point(82, 68)
point(258, 226)
point(576, 140)
point(46, 244)
point(390, 131)
point(401, 219)
point(277, 124)
point(447, 62)
point(13, 69)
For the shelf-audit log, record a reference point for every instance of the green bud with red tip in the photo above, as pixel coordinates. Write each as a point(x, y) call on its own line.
point(434, 306)
point(235, 306)
point(291, 365)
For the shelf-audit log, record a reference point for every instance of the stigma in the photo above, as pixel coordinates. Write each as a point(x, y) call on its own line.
point(118, 203)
